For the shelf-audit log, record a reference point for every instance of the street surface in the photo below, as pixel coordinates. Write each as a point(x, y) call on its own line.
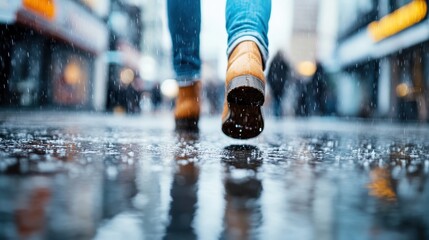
point(67, 175)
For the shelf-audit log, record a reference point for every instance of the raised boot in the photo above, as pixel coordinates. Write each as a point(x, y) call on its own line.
point(245, 89)
point(187, 110)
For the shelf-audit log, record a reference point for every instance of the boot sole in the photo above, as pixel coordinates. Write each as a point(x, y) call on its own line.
point(245, 96)
point(187, 124)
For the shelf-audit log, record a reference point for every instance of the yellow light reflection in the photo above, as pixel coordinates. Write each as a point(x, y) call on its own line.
point(306, 68)
point(119, 110)
point(402, 90)
point(127, 76)
point(380, 185)
point(72, 74)
point(399, 20)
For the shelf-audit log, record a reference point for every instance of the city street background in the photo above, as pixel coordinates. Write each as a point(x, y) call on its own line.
point(88, 148)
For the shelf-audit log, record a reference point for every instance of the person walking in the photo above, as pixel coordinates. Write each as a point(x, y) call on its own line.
point(247, 28)
point(278, 74)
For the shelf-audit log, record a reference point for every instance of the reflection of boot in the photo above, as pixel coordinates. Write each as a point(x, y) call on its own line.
point(242, 192)
point(245, 87)
point(183, 189)
point(243, 157)
point(31, 219)
point(187, 110)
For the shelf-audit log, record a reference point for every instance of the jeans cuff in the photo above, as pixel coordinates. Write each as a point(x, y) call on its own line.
point(184, 81)
point(262, 48)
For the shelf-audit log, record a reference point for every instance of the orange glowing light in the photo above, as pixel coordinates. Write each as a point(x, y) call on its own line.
point(127, 76)
point(306, 68)
point(399, 20)
point(402, 90)
point(45, 8)
point(72, 74)
point(380, 185)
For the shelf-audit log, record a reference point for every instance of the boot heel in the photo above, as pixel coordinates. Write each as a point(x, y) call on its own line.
point(243, 122)
point(246, 90)
point(187, 125)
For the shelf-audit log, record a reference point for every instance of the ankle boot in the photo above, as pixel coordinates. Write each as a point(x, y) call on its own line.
point(187, 107)
point(245, 89)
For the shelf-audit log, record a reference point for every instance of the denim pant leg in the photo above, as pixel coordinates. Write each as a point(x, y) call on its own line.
point(184, 22)
point(248, 20)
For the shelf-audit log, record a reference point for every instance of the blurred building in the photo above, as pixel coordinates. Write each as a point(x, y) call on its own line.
point(382, 58)
point(156, 64)
point(77, 54)
point(51, 53)
point(308, 46)
point(124, 82)
point(304, 32)
point(155, 42)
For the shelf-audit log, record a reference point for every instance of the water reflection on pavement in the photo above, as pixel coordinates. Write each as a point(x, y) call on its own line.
point(102, 177)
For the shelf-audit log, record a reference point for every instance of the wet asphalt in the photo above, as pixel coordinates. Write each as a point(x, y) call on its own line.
point(70, 175)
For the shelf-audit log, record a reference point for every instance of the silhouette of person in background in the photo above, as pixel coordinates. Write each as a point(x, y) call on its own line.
point(278, 74)
point(156, 97)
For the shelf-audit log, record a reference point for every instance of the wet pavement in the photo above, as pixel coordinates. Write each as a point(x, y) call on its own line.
point(92, 176)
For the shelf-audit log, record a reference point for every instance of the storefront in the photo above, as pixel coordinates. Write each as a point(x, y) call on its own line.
point(124, 58)
point(391, 52)
point(52, 54)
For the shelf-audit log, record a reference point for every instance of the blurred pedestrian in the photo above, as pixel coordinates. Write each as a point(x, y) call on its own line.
point(156, 97)
point(214, 94)
point(319, 89)
point(247, 28)
point(278, 74)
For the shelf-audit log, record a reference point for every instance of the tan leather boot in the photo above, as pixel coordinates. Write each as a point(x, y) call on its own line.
point(187, 111)
point(245, 89)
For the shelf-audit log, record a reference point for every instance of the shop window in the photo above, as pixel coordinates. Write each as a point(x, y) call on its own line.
point(25, 80)
point(70, 79)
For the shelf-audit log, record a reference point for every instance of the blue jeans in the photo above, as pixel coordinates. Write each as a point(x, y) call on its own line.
point(245, 20)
